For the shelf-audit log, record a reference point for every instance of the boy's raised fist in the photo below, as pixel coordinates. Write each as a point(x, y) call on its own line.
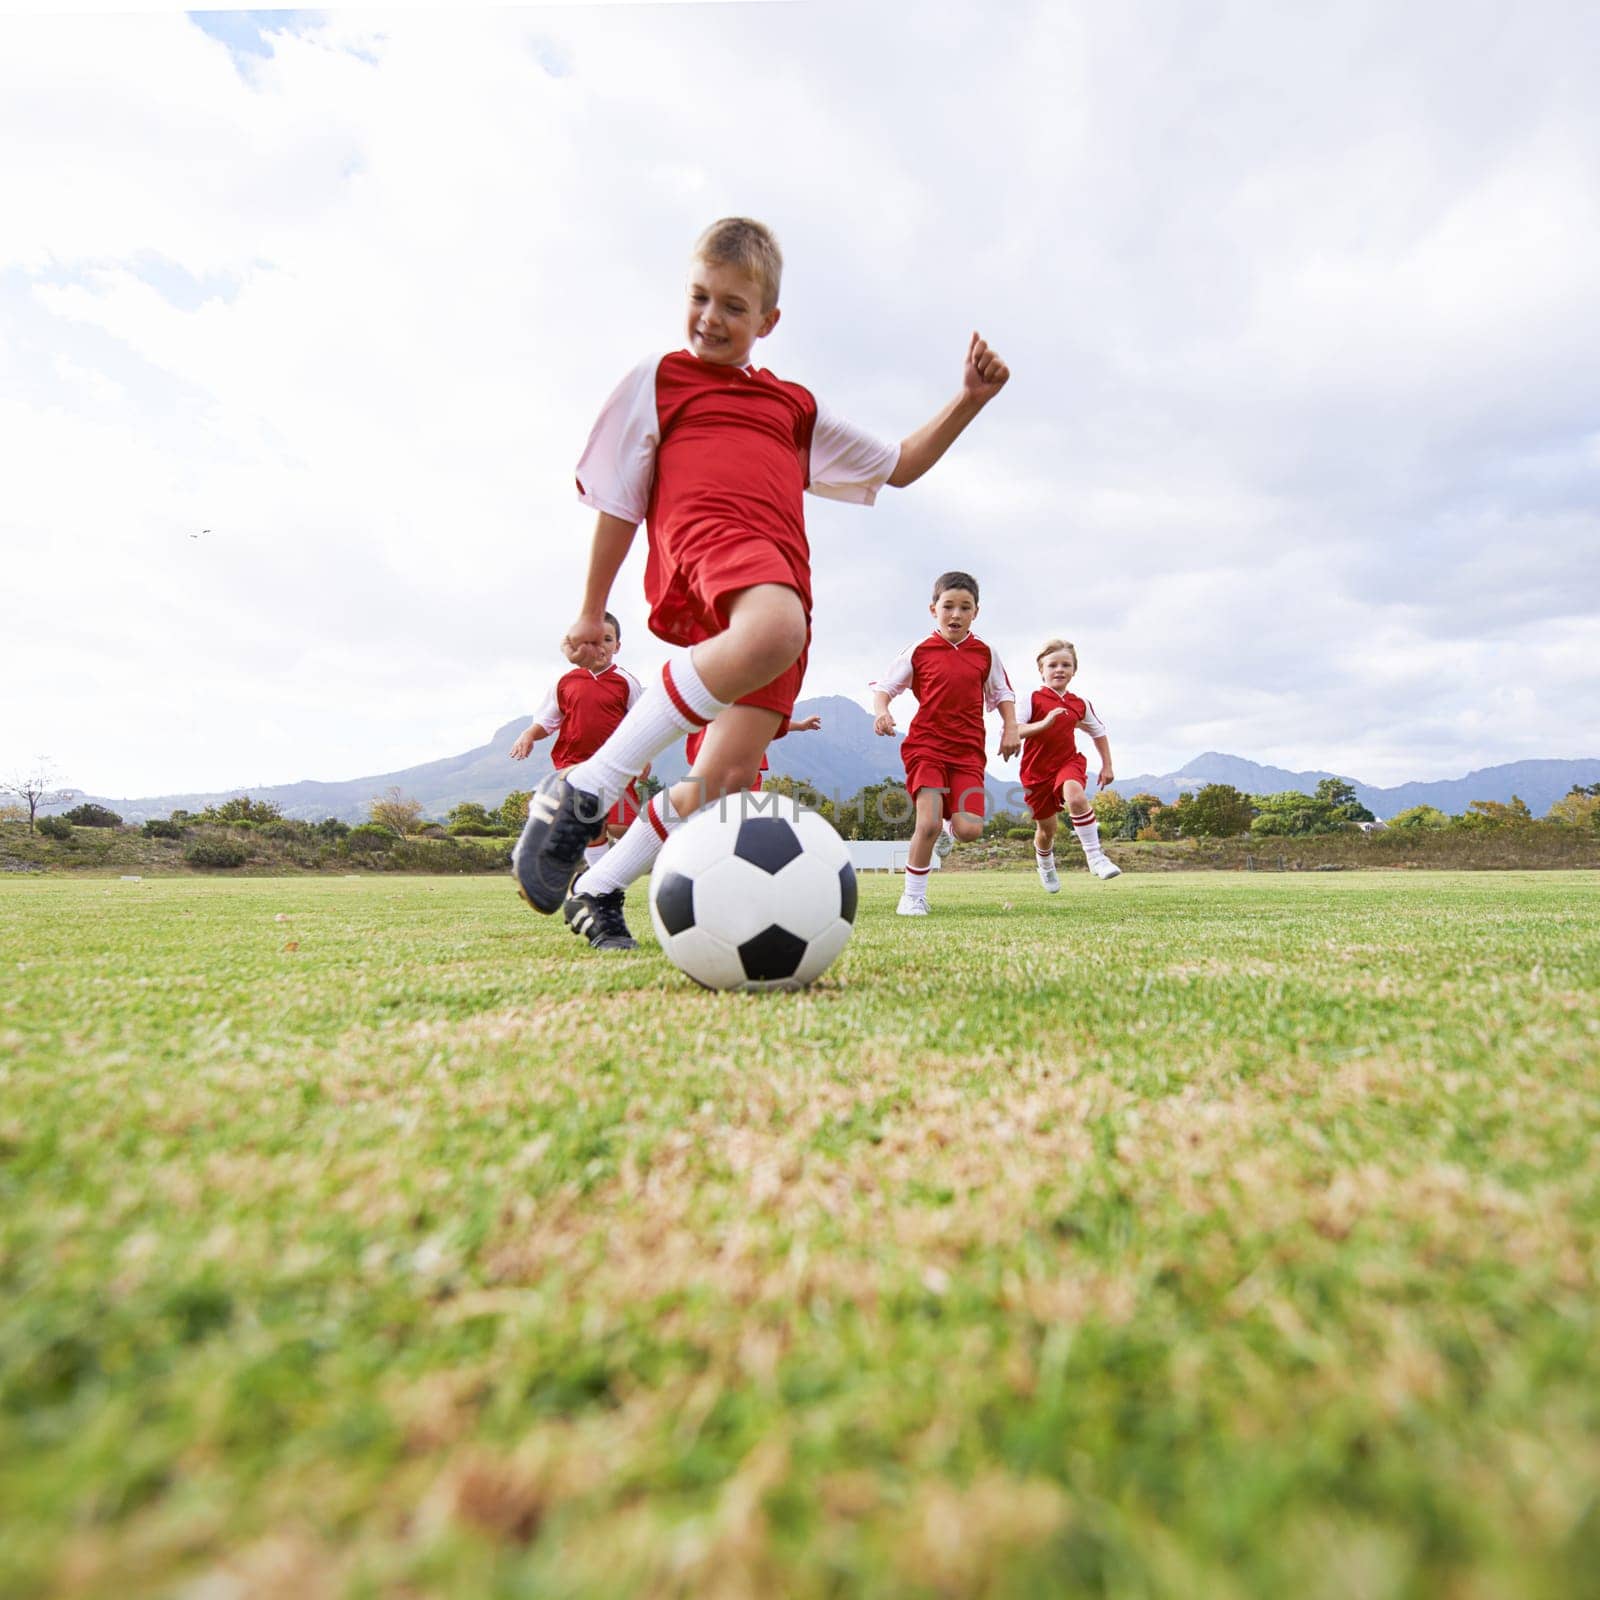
point(985, 374)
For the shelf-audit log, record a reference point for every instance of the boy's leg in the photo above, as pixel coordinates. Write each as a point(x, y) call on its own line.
point(968, 802)
point(1087, 827)
point(919, 858)
point(766, 634)
point(733, 748)
point(1044, 853)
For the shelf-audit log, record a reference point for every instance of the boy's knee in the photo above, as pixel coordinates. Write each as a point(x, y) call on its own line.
point(966, 827)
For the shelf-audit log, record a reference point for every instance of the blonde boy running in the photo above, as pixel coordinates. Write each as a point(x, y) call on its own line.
point(714, 454)
point(1053, 768)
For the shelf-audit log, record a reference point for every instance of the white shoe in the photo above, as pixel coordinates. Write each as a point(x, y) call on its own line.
point(911, 906)
point(1104, 867)
point(944, 844)
point(1050, 879)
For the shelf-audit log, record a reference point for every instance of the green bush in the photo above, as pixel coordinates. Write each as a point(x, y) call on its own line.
point(1019, 833)
point(475, 830)
point(242, 809)
point(331, 828)
point(162, 828)
point(54, 827)
point(89, 815)
point(216, 853)
point(369, 836)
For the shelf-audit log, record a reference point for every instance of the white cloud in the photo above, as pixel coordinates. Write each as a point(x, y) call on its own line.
point(1301, 307)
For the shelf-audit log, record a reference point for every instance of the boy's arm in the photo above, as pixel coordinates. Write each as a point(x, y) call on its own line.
point(896, 680)
point(1026, 730)
point(983, 376)
point(1107, 776)
point(612, 540)
point(1010, 742)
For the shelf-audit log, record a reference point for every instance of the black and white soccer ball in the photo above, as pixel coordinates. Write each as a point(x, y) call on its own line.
point(753, 893)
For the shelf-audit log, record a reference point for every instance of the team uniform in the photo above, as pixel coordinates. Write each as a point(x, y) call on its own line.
point(954, 684)
point(581, 710)
point(1052, 756)
point(714, 460)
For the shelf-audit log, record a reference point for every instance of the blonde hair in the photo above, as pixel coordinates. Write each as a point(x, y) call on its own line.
point(750, 245)
point(1050, 646)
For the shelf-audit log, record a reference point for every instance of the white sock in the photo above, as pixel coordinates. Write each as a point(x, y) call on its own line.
point(635, 852)
point(596, 853)
point(1087, 828)
point(667, 710)
point(1045, 858)
point(917, 882)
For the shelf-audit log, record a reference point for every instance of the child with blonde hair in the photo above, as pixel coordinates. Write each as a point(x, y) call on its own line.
point(1054, 771)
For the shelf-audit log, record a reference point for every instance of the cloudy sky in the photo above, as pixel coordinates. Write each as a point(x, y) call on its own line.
point(304, 316)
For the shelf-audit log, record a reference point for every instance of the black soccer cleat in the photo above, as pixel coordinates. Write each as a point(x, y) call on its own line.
point(561, 823)
point(598, 918)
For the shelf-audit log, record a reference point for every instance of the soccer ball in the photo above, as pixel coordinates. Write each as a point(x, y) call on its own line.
point(747, 898)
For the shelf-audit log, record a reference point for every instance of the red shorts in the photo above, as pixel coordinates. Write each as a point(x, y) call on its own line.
point(1044, 799)
point(628, 807)
point(961, 782)
point(694, 606)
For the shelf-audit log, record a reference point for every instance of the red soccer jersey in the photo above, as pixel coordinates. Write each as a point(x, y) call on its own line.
point(582, 710)
point(954, 685)
point(1046, 753)
point(705, 454)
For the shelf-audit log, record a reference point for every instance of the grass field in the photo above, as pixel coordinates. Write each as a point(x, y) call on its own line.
point(1183, 1236)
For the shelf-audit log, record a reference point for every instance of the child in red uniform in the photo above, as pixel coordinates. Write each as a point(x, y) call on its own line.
point(714, 455)
point(1053, 768)
point(581, 709)
point(956, 677)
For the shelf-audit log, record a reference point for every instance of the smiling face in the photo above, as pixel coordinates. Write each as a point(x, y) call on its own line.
point(953, 613)
point(725, 313)
point(1058, 669)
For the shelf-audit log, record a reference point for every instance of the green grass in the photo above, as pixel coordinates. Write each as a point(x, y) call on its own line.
point(1204, 1235)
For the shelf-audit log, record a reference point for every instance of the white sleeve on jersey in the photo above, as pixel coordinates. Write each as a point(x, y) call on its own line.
point(548, 716)
point(898, 678)
point(635, 688)
point(1090, 722)
point(847, 463)
point(618, 463)
point(997, 686)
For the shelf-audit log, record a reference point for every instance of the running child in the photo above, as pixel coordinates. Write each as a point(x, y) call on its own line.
point(955, 677)
point(714, 455)
point(1054, 771)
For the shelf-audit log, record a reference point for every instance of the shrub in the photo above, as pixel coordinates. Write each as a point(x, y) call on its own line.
point(1019, 833)
point(241, 809)
point(369, 836)
point(216, 853)
point(1419, 817)
point(89, 815)
point(162, 828)
point(55, 827)
point(475, 830)
point(332, 829)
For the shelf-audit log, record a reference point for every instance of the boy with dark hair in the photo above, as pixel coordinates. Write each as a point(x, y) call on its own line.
point(955, 677)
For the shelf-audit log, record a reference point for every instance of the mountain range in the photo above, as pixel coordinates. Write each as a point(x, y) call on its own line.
point(841, 757)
